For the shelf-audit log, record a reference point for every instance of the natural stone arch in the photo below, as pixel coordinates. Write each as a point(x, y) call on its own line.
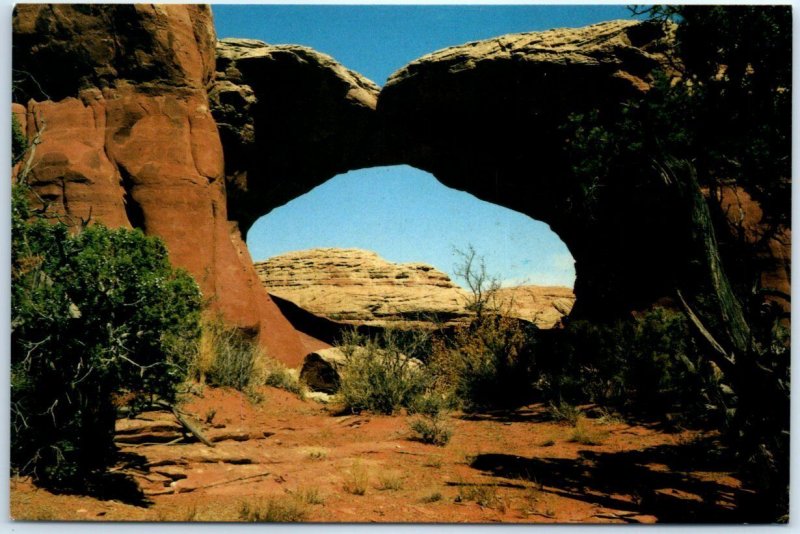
point(485, 118)
point(130, 141)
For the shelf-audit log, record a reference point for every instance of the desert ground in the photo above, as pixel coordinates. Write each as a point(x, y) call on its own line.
point(300, 460)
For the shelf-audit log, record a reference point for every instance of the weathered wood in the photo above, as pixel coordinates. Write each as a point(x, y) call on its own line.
point(206, 486)
point(724, 361)
point(152, 443)
point(704, 282)
point(191, 427)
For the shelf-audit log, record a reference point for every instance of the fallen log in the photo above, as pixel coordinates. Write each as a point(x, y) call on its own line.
point(206, 486)
point(191, 427)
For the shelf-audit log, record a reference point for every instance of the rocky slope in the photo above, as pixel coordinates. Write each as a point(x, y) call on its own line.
point(359, 287)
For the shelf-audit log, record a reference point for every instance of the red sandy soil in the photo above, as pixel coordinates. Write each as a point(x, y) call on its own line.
point(514, 466)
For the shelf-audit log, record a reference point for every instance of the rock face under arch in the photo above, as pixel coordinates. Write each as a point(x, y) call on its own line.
point(139, 107)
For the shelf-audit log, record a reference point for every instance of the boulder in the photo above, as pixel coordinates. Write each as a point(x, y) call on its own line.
point(320, 371)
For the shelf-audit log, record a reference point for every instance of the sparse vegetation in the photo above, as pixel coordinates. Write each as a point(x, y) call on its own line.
point(356, 479)
point(564, 412)
point(390, 481)
point(228, 358)
point(318, 454)
point(433, 461)
point(436, 496)
point(482, 494)
point(378, 376)
point(309, 496)
point(278, 376)
point(430, 424)
point(288, 509)
point(431, 429)
point(584, 434)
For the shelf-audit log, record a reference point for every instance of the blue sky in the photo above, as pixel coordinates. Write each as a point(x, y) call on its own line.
point(402, 213)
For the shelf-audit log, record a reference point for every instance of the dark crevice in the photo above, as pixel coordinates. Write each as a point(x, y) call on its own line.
point(132, 208)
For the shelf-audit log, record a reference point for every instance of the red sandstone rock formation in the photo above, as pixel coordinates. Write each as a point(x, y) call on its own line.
point(770, 248)
point(128, 140)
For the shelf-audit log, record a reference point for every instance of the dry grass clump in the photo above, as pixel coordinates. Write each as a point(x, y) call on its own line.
point(436, 496)
point(288, 509)
point(228, 358)
point(279, 376)
point(433, 461)
point(390, 481)
point(585, 435)
point(563, 412)
point(483, 495)
point(309, 496)
point(317, 454)
point(356, 480)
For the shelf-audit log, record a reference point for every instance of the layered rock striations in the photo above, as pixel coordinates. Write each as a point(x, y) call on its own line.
point(359, 287)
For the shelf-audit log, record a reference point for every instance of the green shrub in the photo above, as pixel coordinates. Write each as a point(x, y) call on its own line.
point(432, 429)
point(430, 425)
point(487, 364)
point(19, 143)
point(97, 315)
point(378, 376)
point(650, 365)
point(564, 412)
point(278, 376)
point(230, 358)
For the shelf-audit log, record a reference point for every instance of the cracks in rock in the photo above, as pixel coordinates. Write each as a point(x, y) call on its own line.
point(133, 210)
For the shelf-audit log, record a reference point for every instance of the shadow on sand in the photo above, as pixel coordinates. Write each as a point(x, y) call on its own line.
point(658, 481)
point(112, 485)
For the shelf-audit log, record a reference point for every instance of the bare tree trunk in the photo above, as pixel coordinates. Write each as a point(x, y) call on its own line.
point(759, 431)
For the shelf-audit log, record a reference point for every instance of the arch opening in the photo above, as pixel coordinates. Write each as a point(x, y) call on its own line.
point(380, 245)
